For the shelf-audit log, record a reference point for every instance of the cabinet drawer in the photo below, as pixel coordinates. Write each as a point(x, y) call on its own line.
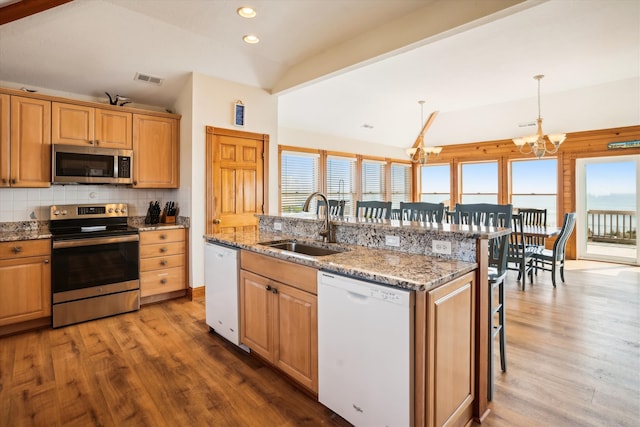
point(163, 249)
point(299, 276)
point(25, 248)
point(161, 236)
point(161, 262)
point(161, 281)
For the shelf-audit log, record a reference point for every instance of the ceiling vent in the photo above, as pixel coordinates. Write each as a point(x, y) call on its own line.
point(148, 79)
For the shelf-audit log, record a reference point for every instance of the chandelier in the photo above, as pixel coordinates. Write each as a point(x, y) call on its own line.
point(537, 144)
point(419, 153)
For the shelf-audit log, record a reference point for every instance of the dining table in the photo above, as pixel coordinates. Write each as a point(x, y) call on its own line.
point(540, 231)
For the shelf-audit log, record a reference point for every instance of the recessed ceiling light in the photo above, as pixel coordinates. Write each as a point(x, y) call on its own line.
point(367, 126)
point(246, 12)
point(251, 39)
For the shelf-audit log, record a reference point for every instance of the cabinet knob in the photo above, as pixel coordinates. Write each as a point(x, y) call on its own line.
point(217, 221)
point(163, 236)
point(163, 281)
point(163, 250)
point(4, 180)
point(163, 262)
point(46, 261)
point(14, 181)
point(274, 290)
point(17, 249)
point(268, 287)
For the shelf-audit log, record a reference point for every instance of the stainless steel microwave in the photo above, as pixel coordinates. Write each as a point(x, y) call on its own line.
point(91, 165)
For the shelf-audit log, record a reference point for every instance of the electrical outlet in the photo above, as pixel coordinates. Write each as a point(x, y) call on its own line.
point(277, 226)
point(441, 247)
point(392, 240)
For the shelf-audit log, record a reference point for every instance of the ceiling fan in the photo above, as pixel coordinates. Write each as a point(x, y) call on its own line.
point(418, 153)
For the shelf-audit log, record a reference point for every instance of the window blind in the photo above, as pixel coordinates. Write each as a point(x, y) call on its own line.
point(400, 184)
point(341, 180)
point(373, 180)
point(298, 179)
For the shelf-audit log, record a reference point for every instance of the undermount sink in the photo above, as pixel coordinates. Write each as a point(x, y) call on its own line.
point(301, 248)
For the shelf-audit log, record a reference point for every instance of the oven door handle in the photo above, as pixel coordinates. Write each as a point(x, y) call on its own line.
point(61, 244)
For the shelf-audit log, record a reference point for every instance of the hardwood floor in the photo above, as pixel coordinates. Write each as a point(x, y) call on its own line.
point(573, 359)
point(573, 353)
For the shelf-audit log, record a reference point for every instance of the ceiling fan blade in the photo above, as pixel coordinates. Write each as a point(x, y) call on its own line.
point(426, 126)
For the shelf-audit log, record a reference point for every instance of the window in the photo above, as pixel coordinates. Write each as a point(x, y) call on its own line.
point(435, 185)
point(341, 177)
point(400, 184)
point(373, 180)
point(534, 184)
point(298, 179)
point(479, 182)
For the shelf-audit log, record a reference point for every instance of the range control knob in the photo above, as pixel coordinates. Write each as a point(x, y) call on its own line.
point(64, 212)
point(56, 212)
point(117, 210)
point(123, 210)
point(110, 210)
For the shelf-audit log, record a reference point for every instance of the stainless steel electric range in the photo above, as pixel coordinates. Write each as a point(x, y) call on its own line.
point(94, 262)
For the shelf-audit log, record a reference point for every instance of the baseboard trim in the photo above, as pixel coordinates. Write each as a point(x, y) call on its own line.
point(193, 293)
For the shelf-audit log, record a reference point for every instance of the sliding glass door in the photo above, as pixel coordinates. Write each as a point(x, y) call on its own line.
point(608, 205)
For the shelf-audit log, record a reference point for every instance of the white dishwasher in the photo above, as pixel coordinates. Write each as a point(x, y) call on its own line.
point(221, 290)
point(365, 351)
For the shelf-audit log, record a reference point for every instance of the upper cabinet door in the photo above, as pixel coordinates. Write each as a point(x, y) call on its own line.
point(113, 129)
point(72, 124)
point(155, 152)
point(30, 142)
point(5, 154)
point(80, 125)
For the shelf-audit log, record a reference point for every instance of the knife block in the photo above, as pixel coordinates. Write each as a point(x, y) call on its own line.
point(169, 219)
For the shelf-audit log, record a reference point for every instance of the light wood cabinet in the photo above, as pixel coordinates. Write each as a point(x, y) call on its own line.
point(156, 152)
point(162, 261)
point(445, 353)
point(82, 125)
point(25, 281)
point(278, 320)
point(25, 142)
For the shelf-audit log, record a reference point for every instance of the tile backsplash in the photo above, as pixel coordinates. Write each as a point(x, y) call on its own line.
point(23, 204)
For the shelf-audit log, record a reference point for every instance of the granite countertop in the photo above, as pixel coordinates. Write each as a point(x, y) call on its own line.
point(408, 271)
point(152, 227)
point(14, 236)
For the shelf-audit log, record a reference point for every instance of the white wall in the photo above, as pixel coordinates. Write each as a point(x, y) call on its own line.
point(211, 105)
point(301, 138)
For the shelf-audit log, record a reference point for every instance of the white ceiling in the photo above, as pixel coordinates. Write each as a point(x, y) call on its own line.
point(337, 65)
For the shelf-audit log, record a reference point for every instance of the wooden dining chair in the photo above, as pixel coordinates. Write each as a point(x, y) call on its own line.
point(520, 257)
point(422, 211)
point(535, 218)
point(336, 207)
point(485, 214)
point(497, 274)
point(550, 260)
point(373, 209)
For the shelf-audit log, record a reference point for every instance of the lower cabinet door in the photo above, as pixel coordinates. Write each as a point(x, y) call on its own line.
point(296, 335)
point(25, 289)
point(256, 304)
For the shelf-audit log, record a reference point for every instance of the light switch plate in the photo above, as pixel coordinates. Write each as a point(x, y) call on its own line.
point(277, 226)
point(392, 240)
point(441, 247)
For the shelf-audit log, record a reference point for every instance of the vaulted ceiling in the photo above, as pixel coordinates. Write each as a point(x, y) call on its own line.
point(351, 68)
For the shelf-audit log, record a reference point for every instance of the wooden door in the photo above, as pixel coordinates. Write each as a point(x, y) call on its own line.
point(256, 314)
point(296, 335)
point(72, 124)
point(5, 155)
point(30, 142)
point(113, 129)
point(235, 179)
point(25, 289)
point(156, 152)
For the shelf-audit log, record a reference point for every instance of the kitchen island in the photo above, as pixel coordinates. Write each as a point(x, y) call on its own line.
point(451, 309)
